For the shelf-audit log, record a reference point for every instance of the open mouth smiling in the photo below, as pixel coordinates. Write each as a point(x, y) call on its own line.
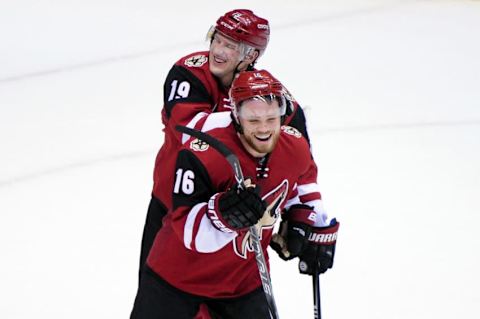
point(263, 139)
point(218, 59)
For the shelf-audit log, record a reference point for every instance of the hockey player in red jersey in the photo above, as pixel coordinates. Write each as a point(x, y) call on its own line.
point(195, 89)
point(203, 253)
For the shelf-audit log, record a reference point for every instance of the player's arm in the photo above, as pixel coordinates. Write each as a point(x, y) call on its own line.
point(204, 219)
point(186, 99)
point(295, 116)
point(298, 237)
point(307, 192)
point(306, 231)
point(297, 120)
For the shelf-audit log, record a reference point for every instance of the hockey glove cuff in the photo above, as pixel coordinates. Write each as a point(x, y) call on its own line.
point(295, 228)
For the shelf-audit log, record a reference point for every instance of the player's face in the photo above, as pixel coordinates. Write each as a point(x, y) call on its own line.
point(260, 121)
point(224, 57)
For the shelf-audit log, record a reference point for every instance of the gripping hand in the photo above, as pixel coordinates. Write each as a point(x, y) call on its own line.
point(294, 231)
point(320, 250)
point(236, 209)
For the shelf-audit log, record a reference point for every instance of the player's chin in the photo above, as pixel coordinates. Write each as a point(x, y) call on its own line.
point(218, 69)
point(264, 145)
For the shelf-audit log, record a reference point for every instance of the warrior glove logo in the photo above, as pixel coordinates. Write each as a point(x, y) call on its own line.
point(324, 236)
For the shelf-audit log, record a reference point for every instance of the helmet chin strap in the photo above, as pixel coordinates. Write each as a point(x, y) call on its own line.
point(236, 69)
point(250, 66)
point(236, 124)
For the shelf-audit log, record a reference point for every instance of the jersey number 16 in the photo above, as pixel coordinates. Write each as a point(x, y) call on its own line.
point(184, 181)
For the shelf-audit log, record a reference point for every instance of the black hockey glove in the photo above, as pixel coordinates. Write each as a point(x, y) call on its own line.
point(236, 209)
point(295, 228)
point(320, 250)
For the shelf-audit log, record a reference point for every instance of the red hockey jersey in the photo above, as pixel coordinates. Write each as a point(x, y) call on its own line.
point(194, 255)
point(191, 93)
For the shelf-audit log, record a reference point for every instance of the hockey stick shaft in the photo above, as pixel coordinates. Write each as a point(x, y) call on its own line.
point(237, 169)
point(317, 311)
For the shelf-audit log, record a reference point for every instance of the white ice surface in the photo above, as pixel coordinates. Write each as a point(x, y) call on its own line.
point(392, 93)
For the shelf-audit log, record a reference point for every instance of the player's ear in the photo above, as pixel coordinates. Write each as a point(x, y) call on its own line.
point(251, 56)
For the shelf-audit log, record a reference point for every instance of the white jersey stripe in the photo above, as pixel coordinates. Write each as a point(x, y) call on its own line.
point(191, 124)
point(322, 219)
point(292, 201)
point(190, 223)
point(308, 189)
point(209, 239)
point(216, 120)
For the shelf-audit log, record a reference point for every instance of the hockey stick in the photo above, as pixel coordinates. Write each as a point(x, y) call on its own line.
point(237, 169)
point(317, 311)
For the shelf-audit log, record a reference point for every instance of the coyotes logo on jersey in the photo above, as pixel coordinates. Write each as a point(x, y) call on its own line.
point(196, 61)
point(199, 145)
point(242, 244)
point(291, 131)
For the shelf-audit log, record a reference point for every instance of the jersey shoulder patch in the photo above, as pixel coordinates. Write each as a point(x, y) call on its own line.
point(199, 145)
point(291, 131)
point(196, 61)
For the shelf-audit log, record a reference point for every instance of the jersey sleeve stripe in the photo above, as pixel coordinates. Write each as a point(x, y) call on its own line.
point(190, 224)
point(292, 201)
point(216, 120)
point(322, 218)
point(308, 188)
point(209, 239)
point(192, 124)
